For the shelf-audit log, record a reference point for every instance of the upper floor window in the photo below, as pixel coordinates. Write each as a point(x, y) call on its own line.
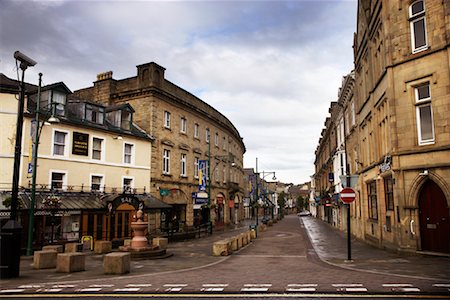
point(95, 114)
point(166, 119)
point(58, 180)
point(216, 139)
point(224, 146)
point(128, 153)
point(373, 202)
point(389, 192)
point(96, 182)
point(183, 125)
point(127, 184)
point(97, 148)
point(59, 102)
point(424, 114)
point(196, 130)
point(417, 22)
point(208, 135)
point(183, 162)
point(60, 143)
point(196, 159)
point(166, 161)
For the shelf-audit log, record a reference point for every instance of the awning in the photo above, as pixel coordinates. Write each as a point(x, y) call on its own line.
point(69, 201)
point(151, 202)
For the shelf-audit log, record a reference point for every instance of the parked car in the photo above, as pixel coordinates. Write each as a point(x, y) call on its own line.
point(304, 213)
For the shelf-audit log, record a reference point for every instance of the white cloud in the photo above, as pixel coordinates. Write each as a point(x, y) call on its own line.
point(271, 67)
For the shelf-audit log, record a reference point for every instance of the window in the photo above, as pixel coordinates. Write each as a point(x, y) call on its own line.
point(167, 119)
point(96, 182)
point(95, 114)
point(97, 147)
point(183, 125)
point(128, 153)
point(216, 175)
point(418, 26)
point(216, 139)
point(58, 180)
point(196, 159)
point(127, 184)
point(207, 135)
point(224, 146)
point(372, 194)
point(59, 102)
point(183, 162)
point(166, 161)
point(389, 193)
point(424, 115)
point(196, 130)
point(59, 143)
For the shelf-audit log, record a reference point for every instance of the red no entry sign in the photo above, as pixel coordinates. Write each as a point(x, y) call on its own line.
point(348, 195)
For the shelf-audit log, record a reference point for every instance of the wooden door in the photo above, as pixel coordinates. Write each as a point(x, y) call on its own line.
point(434, 219)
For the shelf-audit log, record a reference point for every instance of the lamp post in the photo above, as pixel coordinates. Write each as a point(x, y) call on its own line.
point(12, 230)
point(52, 203)
point(265, 174)
point(38, 130)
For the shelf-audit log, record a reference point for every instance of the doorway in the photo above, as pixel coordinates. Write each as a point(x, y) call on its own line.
point(434, 219)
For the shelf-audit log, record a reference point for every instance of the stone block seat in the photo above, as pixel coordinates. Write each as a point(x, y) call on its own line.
point(45, 259)
point(116, 263)
point(73, 247)
point(102, 247)
point(222, 247)
point(57, 248)
point(70, 262)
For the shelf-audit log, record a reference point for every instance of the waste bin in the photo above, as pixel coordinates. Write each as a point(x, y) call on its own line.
point(10, 240)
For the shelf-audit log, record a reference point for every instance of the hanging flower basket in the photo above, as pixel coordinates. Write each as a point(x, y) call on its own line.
point(52, 201)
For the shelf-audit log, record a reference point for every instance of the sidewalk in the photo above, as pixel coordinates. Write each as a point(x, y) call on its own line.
point(330, 245)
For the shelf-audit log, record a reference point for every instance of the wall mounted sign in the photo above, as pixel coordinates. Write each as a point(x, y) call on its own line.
point(80, 144)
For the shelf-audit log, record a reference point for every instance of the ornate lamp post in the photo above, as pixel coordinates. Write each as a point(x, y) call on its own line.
point(38, 129)
point(265, 174)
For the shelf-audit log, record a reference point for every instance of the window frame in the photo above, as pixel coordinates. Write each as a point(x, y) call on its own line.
point(183, 165)
point(102, 148)
point(65, 144)
point(127, 178)
point(421, 103)
point(166, 162)
point(131, 155)
point(183, 125)
point(102, 182)
point(207, 135)
point(63, 182)
point(372, 200)
point(388, 182)
point(413, 19)
point(166, 119)
point(196, 165)
point(196, 130)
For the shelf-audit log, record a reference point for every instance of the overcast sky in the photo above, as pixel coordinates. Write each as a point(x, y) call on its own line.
point(271, 67)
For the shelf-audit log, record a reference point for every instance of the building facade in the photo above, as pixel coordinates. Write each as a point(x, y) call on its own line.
point(189, 134)
point(400, 143)
point(93, 165)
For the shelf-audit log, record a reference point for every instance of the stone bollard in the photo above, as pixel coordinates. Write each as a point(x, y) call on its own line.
point(70, 262)
point(221, 248)
point(102, 247)
point(160, 242)
point(249, 236)
point(244, 239)
point(44, 259)
point(73, 247)
point(57, 248)
point(116, 263)
point(253, 234)
point(239, 240)
point(234, 244)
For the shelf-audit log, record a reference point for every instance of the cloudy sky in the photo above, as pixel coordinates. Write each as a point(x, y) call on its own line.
point(271, 67)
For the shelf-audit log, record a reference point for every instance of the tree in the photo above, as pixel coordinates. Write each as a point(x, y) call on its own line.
point(281, 202)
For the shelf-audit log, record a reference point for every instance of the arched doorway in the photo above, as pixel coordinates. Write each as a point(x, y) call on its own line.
point(434, 219)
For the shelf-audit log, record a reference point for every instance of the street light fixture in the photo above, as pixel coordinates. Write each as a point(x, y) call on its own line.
point(265, 174)
point(38, 129)
point(12, 230)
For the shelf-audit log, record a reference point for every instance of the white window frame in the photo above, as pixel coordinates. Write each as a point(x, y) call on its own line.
point(418, 17)
point(102, 181)
point(64, 181)
point(127, 178)
point(102, 150)
point(207, 135)
point(66, 143)
point(166, 162)
point(132, 154)
point(183, 125)
point(183, 165)
point(420, 103)
point(196, 163)
point(196, 130)
point(167, 119)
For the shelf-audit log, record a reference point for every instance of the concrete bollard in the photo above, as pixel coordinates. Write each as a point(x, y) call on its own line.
point(70, 262)
point(160, 242)
point(73, 247)
point(57, 248)
point(102, 247)
point(44, 259)
point(116, 263)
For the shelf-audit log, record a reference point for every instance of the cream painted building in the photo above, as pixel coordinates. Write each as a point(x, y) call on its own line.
point(94, 160)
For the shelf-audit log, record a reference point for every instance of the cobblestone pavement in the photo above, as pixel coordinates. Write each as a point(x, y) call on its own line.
point(296, 255)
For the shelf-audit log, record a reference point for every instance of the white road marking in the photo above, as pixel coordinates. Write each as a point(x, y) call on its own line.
point(347, 284)
point(273, 256)
point(174, 287)
point(355, 289)
point(443, 285)
point(139, 285)
point(213, 287)
point(130, 289)
point(12, 291)
point(29, 286)
point(49, 290)
point(397, 285)
point(261, 287)
point(64, 286)
point(410, 289)
point(101, 285)
point(301, 287)
point(89, 290)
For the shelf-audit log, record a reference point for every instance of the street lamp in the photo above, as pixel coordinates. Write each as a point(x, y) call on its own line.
point(11, 237)
point(38, 129)
point(265, 174)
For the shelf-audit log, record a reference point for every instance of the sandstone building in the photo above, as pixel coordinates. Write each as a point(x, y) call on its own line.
point(188, 133)
point(400, 146)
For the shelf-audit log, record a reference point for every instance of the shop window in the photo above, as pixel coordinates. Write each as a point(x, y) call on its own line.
point(372, 200)
point(389, 193)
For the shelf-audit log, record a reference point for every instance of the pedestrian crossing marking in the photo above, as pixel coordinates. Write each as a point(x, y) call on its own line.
point(409, 289)
point(397, 285)
point(12, 291)
point(213, 287)
point(101, 285)
point(89, 290)
point(262, 287)
point(139, 285)
point(29, 286)
point(443, 285)
point(301, 287)
point(347, 284)
point(51, 290)
point(64, 286)
point(129, 289)
point(355, 289)
point(174, 287)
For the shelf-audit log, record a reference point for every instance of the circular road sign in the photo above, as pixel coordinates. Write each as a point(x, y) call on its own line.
point(348, 195)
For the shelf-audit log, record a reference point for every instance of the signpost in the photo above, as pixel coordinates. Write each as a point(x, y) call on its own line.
point(348, 196)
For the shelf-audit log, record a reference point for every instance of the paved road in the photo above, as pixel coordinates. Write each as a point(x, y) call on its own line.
point(282, 261)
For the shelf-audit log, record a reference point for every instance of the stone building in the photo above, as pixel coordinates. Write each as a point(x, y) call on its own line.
point(399, 144)
point(189, 133)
